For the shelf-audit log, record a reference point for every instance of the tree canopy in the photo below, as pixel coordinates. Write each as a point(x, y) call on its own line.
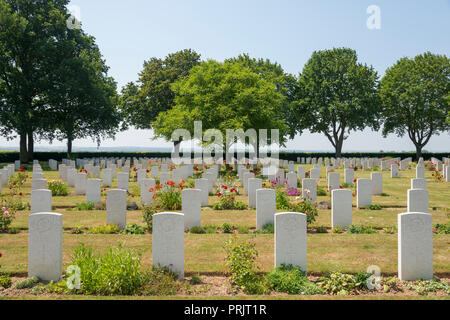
point(336, 95)
point(416, 98)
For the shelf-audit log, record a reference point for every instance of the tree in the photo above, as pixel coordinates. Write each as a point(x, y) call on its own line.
point(222, 96)
point(416, 98)
point(29, 32)
point(336, 95)
point(83, 99)
point(141, 103)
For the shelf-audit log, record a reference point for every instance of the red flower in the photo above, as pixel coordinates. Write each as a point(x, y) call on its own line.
point(354, 181)
point(219, 195)
point(342, 187)
point(20, 194)
point(1, 255)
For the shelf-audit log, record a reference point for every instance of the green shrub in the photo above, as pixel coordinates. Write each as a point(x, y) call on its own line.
point(169, 199)
point(211, 229)
point(425, 287)
point(27, 283)
point(292, 280)
point(240, 259)
point(147, 216)
point(321, 192)
point(243, 229)
point(443, 228)
point(354, 229)
point(307, 207)
point(105, 229)
point(267, 229)
point(374, 207)
point(337, 230)
point(5, 281)
point(85, 206)
point(197, 230)
point(58, 188)
point(226, 228)
point(77, 230)
point(117, 272)
point(133, 229)
point(282, 200)
point(390, 230)
point(195, 279)
point(343, 284)
point(322, 229)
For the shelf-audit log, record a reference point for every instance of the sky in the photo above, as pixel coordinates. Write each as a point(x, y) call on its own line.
point(286, 31)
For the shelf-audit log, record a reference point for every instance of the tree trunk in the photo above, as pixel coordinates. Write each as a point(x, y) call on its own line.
point(338, 148)
point(23, 148)
point(69, 148)
point(30, 145)
point(418, 151)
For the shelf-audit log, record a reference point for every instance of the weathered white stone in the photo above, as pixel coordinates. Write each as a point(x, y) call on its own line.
point(116, 208)
point(418, 184)
point(147, 191)
point(418, 200)
point(309, 189)
point(168, 242)
point(364, 192)
point(314, 173)
point(447, 173)
point(291, 168)
point(334, 181)
point(192, 207)
point(377, 183)
point(80, 183)
point(154, 172)
point(141, 175)
point(247, 176)
point(341, 208)
point(265, 207)
point(41, 201)
point(71, 174)
point(301, 173)
point(253, 185)
point(164, 177)
point(290, 239)
point(45, 235)
point(123, 181)
point(291, 178)
point(38, 184)
point(203, 186)
point(93, 190)
point(415, 246)
point(394, 170)
point(349, 176)
point(38, 175)
point(107, 178)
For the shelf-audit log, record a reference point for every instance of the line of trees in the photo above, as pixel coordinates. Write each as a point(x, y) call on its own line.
point(54, 85)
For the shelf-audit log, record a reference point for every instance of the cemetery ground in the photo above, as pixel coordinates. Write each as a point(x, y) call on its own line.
point(206, 275)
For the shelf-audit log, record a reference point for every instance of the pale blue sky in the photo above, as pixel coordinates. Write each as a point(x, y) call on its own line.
point(129, 32)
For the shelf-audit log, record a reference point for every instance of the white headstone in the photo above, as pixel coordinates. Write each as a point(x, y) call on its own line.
point(349, 176)
point(253, 185)
point(309, 189)
point(418, 184)
point(377, 183)
point(168, 242)
point(334, 181)
point(265, 207)
point(116, 208)
point(80, 183)
point(93, 190)
point(341, 208)
point(123, 181)
point(418, 200)
point(415, 246)
point(38, 184)
point(191, 206)
point(203, 186)
point(364, 192)
point(290, 240)
point(107, 178)
point(45, 235)
point(41, 201)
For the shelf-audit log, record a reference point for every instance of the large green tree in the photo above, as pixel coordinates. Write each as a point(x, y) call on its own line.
point(142, 102)
point(416, 98)
point(223, 96)
point(336, 95)
point(83, 99)
point(29, 33)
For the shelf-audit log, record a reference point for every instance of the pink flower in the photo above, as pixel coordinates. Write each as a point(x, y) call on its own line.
point(6, 213)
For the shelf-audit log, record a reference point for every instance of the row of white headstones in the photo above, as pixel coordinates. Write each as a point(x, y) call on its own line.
point(415, 227)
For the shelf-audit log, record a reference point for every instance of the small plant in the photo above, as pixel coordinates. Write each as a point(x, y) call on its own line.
point(105, 229)
point(307, 207)
point(337, 230)
point(321, 229)
point(147, 216)
point(58, 188)
point(282, 200)
point(27, 283)
point(390, 230)
point(77, 230)
point(267, 229)
point(321, 192)
point(292, 280)
point(211, 229)
point(423, 288)
point(133, 229)
point(227, 199)
point(374, 207)
point(85, 206)
point(161, 282)
point(117, 272)
point(6, 218)
point(5, 281)
point(443, 228)
point(169, 198)
point(195, 279)
point(354, 229)
point(343, 284)
point(240, 259)
point(226, 228)
point(197, 230)
point(243, 230)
